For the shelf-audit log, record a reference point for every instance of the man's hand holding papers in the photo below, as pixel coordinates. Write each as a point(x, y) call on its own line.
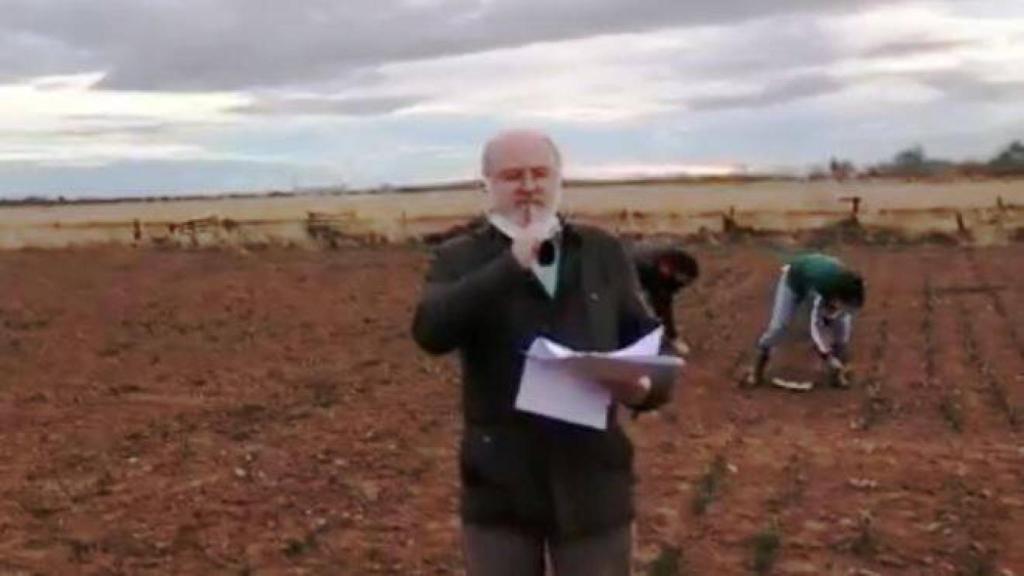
point(578, 387)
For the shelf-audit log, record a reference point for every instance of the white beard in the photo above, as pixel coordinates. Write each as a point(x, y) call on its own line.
point(539, 228)
point(544, 222)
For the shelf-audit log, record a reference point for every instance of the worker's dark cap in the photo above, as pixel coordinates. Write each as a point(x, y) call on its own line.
point(850, 289)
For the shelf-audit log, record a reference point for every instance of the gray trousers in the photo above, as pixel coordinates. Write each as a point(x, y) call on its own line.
point(497, 551)
point(828, 334)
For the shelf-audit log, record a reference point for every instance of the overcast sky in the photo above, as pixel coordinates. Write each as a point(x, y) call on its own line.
point(114, 97)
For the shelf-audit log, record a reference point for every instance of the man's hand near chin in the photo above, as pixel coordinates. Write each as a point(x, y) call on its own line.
point(525, 248)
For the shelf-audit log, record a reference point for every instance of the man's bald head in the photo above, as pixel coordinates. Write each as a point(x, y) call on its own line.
point(523, 172)
point(513, 142)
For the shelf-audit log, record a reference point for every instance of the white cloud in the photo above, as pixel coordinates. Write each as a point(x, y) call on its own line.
point(604, 79)
point(613, 170)
point(64, 120)
point(47, 100)
point(67, 153)
point(984, 45)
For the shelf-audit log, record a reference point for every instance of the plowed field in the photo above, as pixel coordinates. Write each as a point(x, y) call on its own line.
point(217, 412)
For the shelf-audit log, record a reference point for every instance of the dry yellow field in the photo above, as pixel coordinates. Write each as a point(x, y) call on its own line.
point(651, 208)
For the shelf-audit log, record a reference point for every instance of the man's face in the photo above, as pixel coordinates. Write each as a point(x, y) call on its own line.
point(523, 177)
point(834, 308)
point(669, 273)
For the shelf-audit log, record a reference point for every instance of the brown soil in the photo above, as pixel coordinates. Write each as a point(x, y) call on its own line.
point(216, 412)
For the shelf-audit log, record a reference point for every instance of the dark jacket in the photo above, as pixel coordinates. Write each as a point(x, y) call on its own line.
point(518, 469)
point(660, 290)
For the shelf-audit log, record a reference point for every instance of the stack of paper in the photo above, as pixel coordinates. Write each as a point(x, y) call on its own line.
point(562, 383)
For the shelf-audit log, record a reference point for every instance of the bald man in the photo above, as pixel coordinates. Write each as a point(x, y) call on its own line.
point(536, 489)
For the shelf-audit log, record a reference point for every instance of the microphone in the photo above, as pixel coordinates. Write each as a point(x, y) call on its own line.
point(546, 253)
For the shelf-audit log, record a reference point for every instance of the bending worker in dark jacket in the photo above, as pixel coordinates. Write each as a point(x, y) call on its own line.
point(530, 485)
point(664, 270)
point(837, 293)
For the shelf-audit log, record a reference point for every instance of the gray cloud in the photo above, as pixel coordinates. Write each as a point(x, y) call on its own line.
point(792, 45)
point(153, 129)
point(310, 105)
point(915, 48)
point(90, 125)
point(240, 44)
point(778, 45)
point(26, 53)
point(782, 91)
point(148, 129)
point(108, 118)
point(960, 84)
point(152, 177)
point(966, 85)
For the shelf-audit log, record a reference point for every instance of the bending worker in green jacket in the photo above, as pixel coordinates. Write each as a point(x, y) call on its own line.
point(837, 293)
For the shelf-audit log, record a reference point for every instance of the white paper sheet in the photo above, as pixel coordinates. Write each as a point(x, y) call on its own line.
point(561, 383)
